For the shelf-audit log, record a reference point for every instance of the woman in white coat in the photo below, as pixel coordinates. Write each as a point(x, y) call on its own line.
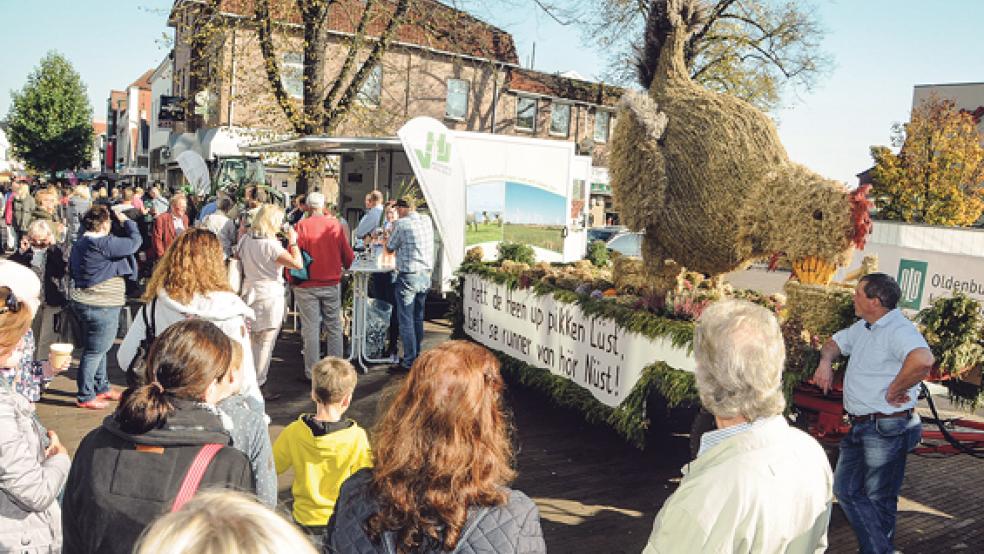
point(264, 258)
point(190, 281)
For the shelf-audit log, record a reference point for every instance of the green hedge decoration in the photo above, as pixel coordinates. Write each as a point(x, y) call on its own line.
point(630, 419)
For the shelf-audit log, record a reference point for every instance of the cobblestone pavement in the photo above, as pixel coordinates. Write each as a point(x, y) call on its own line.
point(596, 494)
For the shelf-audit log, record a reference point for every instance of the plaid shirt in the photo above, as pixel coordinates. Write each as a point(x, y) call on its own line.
point(413, 242)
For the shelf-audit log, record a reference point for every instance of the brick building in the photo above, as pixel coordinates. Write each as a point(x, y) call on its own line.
point(441, 62)
point(126, 149)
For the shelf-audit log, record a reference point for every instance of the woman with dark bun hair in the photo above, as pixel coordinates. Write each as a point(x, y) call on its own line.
point(443, 461)
point(130, 470)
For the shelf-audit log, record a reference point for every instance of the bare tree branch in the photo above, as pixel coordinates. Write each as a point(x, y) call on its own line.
point(264, 24)
point(367, 66)
point(353, 52)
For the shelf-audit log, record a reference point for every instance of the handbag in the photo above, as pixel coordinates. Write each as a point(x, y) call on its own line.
point(136, 372)
point(302, 274)
point(68, 325)
point(234, 270)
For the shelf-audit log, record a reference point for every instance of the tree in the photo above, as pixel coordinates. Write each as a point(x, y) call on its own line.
point(937, 176)
point(753, 49)
point(50, 120)
point(327, 97)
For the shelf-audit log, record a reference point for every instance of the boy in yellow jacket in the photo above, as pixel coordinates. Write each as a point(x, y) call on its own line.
point(324, 449)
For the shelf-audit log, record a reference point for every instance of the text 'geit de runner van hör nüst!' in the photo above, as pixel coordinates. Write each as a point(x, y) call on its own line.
point(597, 367)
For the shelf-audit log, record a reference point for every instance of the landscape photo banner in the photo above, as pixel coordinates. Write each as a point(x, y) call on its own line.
point(593, 352)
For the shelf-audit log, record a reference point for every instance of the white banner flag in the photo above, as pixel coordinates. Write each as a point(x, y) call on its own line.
point(437, 163)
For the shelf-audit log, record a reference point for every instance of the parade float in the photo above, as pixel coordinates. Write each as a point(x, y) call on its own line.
point(706, 179)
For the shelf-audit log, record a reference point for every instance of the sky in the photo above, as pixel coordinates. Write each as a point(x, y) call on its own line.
point(880, 49)
point(533, 205)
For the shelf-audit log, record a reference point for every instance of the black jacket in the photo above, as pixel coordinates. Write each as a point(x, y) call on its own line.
point(115, 490)
point(54, 271)
point(513, 528)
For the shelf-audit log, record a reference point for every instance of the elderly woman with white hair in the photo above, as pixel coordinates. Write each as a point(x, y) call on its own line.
point(40, 252)
point(757, 484)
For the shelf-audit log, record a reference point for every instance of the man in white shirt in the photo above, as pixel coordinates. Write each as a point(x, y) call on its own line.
point(373, 218)
point(888, 360)
point(757, 484)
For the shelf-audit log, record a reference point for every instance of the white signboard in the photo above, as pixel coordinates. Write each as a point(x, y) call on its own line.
point(928, 262)
point(593, 352)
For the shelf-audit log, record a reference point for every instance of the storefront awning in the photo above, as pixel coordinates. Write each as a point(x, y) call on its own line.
point(324, 144)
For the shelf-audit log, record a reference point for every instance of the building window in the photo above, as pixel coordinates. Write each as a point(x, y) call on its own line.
point(457, 102)
point(292, 73)
point(372, 88)
point(560, 119)
point(526, 113)
point(602, 121)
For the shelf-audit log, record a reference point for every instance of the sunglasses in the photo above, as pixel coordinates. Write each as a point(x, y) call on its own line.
point(11, 304)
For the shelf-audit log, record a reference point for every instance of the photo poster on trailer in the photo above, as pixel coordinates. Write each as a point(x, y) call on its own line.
point(593, 352)
point(484, 188)
point(518, 190)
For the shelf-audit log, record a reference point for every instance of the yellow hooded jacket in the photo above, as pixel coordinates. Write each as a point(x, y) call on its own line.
point(321, 464)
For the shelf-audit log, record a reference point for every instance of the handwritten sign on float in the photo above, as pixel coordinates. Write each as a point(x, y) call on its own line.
point(593, 352)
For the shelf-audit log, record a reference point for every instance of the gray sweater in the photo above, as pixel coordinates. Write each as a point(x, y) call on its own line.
point(30, 519)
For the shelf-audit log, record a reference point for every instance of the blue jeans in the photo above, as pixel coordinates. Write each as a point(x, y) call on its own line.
point(411, 292)
point(99, 327)
point(869, 476)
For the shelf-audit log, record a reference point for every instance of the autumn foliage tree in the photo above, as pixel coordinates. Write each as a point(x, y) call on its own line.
point(937, 176)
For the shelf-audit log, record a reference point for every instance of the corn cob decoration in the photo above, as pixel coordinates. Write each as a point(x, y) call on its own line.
point(813, 270)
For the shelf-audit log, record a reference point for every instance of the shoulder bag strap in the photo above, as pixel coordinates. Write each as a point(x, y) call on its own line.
point(150, 327)
point(193, 478)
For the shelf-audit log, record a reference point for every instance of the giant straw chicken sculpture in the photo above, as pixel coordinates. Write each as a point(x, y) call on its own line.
point(705, 176)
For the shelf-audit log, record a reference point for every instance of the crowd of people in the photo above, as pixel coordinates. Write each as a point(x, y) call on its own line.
point(213, 279)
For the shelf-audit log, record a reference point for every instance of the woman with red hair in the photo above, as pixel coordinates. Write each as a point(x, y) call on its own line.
point(442, 462)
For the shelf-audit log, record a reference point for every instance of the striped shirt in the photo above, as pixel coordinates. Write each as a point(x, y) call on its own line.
point(711, 439)
point(413, 242)
point(107, 294)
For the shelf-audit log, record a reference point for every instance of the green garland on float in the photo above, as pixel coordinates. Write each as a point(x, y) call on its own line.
point(630, 419)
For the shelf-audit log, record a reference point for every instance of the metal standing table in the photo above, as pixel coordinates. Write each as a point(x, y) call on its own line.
point(362, 271)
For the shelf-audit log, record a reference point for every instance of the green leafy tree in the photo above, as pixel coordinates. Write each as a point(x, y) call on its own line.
point(937, 176)
point(50, 120)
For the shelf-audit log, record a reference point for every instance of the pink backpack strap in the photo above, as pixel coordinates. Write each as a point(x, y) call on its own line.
point(193, 478)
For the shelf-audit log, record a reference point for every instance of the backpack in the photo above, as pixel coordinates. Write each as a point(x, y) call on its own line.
point(136, 372)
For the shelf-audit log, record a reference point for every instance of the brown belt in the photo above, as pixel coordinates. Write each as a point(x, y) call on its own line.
point(877, 415)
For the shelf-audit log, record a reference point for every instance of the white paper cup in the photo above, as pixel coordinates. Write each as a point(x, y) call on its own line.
point(60, 353)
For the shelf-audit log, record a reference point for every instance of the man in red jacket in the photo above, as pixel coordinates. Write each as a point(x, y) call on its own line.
point(168, 226)
point(323, 237)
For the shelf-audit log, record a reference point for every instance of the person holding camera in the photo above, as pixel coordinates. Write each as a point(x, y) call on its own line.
point(264, 257)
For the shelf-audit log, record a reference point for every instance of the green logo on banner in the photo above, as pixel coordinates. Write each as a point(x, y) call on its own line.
point(912, 281)
point(443, 151)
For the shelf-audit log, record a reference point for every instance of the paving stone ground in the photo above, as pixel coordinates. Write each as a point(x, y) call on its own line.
point(597, 494)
